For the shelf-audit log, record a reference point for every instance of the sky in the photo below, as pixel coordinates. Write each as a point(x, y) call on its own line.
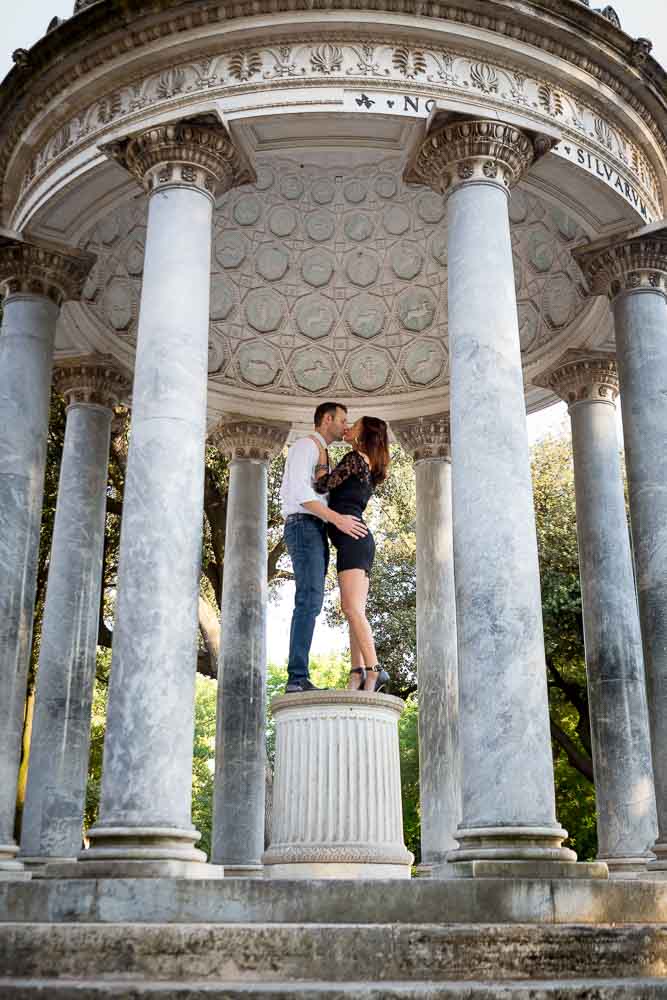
point(23, 24)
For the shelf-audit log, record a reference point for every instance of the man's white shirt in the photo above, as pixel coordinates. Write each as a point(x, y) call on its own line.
point(297, 484)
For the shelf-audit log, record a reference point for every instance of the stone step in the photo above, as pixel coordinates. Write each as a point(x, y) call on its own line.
point(398, 901)
point(576, 989)
point(260, 953)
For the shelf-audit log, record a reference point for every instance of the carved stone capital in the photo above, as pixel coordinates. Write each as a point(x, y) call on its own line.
point(583, 376)
point(627, 266)
point(182, 154)
point(37, 268)
point(92, 378)
point(489, 152)
point(426, 438)
point(241, 437)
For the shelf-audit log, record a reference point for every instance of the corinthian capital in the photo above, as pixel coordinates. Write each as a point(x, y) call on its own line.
point(244, 437)
point(489, 152)
point(182, 154)
point(583, 376)
point(92, 378)
point(38, 268)
point(627, 263)
point(426, 438)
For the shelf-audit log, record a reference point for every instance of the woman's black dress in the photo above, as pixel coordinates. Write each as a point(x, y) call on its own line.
point(350, 487)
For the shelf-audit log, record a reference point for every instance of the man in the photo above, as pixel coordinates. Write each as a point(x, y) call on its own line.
point(306, 515)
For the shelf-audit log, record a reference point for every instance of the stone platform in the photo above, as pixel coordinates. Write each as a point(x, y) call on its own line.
point(474, 939)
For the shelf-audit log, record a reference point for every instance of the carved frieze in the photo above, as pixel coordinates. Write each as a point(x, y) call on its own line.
point(436, 73)
point(241, 437)
point(92, 378)
point(583, 376)
point(425, 438)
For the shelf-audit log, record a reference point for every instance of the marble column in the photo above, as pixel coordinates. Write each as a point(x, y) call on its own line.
point(627, 826)
point(240, 760)
point(145, 825)
point(427, 439)
point(52, 822)
point(35, 279)
point(632, 271)
point(508, 811)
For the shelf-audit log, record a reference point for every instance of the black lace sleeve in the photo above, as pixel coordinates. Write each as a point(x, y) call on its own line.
point(351, 464)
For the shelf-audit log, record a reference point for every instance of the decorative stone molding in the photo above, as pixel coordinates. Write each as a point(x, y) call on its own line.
point(583, 376)
point(627, 265)
point(40, 268)
point(245, 438)
point(427, 438)
point(488, 152)
point(181, 155)
point(92, 378)
point(420, 68)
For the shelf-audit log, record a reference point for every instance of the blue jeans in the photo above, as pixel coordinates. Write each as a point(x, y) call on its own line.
point(308, 546)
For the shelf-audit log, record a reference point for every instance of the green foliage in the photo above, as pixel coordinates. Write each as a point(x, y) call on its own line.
point(409, 754)
point(203, 761)
point(555, 513)
point(97, 730)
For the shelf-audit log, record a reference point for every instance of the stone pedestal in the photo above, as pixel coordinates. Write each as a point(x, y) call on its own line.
point(35, 280)
point(437, 675)
point(621, 747)
point(337, 790)
point(632, 271)
point(52, 822)
point(240, 758)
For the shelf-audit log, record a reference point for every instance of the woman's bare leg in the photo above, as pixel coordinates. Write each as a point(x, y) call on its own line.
point(353, 595)
point(356, 660)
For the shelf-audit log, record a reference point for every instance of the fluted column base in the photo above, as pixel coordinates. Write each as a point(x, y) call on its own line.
point(337, 790)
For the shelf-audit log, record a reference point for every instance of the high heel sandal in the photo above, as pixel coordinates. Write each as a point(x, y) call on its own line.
point(381, 680)
point(362, 681)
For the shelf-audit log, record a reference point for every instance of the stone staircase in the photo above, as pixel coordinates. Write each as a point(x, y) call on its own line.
point(177, 940)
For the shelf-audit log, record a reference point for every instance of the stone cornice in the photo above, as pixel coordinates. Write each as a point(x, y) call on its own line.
point(92, 378)
point(40, 268)
point(103, 31)
point(583, 376)
point(241, 437)
point(181, 154)
point(425, 437)
point(465, 152)
point(626, 263)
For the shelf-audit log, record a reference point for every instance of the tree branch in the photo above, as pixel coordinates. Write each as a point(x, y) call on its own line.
point(209, 627)
point(274, 555)
point(579, 761)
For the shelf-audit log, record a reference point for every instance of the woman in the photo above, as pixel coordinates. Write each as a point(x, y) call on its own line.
point(350, 487)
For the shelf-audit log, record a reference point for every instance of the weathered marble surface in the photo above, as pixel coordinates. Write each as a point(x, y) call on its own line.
point(146, 780)
point(641, 343)
point(508, 784)
point(238, 823)
point(26, 355)
point(625, 798)
point(337, 809)
point(58, 767)
point(437, 672)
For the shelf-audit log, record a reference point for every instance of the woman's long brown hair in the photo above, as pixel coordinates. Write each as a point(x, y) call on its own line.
point(373, 442)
